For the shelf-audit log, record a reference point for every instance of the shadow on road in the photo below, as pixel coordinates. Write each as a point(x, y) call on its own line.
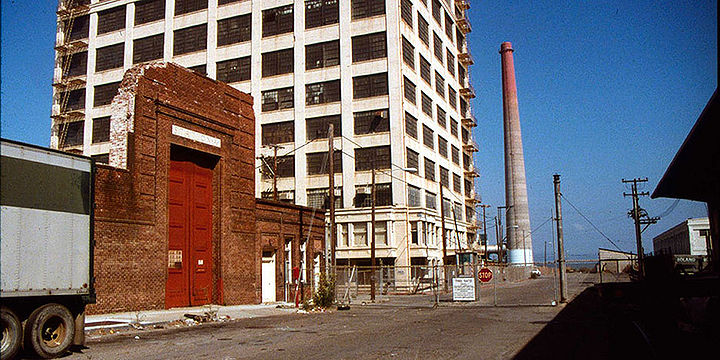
point(624, 321)
point(577, 332)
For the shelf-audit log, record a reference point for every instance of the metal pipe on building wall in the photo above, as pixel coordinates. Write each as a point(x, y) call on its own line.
point(517, 214)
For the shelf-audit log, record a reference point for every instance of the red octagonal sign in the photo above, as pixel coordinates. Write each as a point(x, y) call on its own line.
point(485, 275)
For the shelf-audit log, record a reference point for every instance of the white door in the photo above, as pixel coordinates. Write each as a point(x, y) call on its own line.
point(316, 271)
point(268, 277)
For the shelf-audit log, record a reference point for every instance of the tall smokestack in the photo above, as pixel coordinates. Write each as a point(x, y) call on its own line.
point(518, 215)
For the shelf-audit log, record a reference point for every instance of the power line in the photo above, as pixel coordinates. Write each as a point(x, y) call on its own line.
point(352, 157)
point(292, 151)
point(299, 147)
point(538, 227)
point(397, 178)
point(352, 141)
point(590, 222)
point(669, 209)
point(363, 147)
point(312, 216)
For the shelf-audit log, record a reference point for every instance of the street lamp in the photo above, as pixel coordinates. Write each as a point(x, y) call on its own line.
point(372, 220)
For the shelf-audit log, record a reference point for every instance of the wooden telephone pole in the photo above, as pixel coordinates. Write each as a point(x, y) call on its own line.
point(331, 188)
point(372, 239)
point(275, 148)
point(637, 213)
point(561, 244)
point(485, 206)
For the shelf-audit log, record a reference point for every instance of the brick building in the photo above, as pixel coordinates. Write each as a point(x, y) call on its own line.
point(175, 217)
point(289, 236)
point(391, 75)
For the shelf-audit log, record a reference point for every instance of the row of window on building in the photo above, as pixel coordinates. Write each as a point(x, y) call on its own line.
point(406, 14)
point(377, 157)
point(319, 55)
point(365, 122)
point(442, 54)
point(428, 234)
point(411, 128)
point(276, 99)
point(422, 233)
point(237, 29)
point(275, 21)
point(418, 198)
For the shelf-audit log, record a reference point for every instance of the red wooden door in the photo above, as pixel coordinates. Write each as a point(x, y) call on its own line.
point(189, 280)
point(178, 278)
point(201, 237)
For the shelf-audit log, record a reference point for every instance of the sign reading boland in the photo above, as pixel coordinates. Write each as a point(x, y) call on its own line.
point(485, 275)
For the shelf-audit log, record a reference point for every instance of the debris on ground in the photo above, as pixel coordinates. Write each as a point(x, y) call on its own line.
point(197, 318)
point(285, 306)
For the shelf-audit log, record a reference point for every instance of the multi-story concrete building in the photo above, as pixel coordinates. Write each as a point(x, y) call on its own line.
point(391, 76)
point(690, 237)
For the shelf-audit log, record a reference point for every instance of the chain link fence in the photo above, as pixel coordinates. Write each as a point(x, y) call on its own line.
point(535, 284)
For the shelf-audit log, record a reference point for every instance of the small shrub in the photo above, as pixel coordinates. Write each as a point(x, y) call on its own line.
point(325, 293)
point(307, 305)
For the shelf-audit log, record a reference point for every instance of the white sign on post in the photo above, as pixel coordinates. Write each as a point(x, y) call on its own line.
point(464, 289)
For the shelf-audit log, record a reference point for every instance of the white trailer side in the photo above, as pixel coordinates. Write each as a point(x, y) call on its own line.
point(46, 250)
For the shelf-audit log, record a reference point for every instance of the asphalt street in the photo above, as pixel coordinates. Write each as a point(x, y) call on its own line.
point(407, 327)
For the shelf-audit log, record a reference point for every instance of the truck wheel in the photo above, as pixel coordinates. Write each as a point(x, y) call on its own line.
point(11, 334)
point(49, 330)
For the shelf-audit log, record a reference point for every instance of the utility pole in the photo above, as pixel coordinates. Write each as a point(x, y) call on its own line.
point(442, 223)
point(331, 183)
point(637, 212)
point(485, 206)
point(561, 245)
point(497, 239)
point(457, 241)
point(372, 241)
point(275, 148)
point(444, 239)
point(275, 193)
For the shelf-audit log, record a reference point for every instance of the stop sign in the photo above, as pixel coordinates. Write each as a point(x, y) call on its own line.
point(485, 275)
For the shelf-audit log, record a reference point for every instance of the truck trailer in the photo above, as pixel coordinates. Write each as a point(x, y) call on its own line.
point(46, 258)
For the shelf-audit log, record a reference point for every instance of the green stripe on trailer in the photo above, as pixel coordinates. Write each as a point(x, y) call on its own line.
point(34, 185)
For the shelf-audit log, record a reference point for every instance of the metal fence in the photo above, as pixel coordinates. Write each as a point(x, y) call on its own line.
point(534, 284)
point(616, 270)
point(434, 285)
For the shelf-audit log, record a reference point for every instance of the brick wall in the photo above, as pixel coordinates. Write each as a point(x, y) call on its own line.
point(131, 221)
point(277, 221)
point(131, 214)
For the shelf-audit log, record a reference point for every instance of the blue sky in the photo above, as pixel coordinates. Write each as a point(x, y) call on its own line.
point(607, 90)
